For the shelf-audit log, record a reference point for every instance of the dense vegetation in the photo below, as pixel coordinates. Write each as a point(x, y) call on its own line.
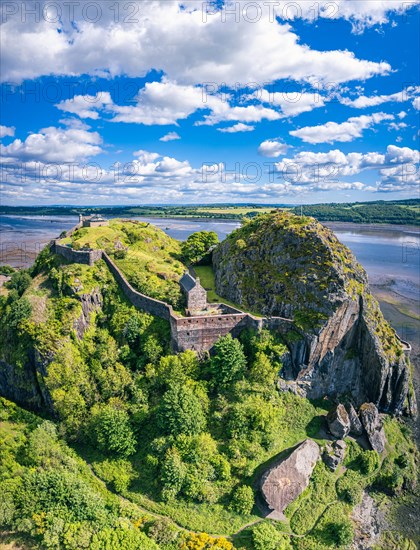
point(393, 212)
point(400, 212)
point(183, 439)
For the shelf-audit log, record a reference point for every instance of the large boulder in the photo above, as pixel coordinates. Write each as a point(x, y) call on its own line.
point(373, 425)
point(313, 292)
point(356, 427)
point(338, 422)
point(283, 483)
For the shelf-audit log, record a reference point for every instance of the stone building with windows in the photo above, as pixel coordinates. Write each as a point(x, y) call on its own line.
point(92, 221)
point(195, 294)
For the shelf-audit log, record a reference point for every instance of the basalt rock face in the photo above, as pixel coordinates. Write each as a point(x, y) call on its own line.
point(338, 342)
point(90, 303)
point(25, 384)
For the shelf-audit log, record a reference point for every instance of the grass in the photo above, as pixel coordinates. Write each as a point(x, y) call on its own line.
point(207, 280)
point(152, 262)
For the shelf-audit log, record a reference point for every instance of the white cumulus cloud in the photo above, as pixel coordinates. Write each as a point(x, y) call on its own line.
point(272, 148)
point(349, 130)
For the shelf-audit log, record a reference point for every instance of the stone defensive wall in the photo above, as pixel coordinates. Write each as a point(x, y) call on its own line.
point(87, 257)
point(198, 333)
point(141, 301)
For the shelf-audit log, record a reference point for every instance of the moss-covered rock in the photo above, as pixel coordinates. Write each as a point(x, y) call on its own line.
point(339, 343)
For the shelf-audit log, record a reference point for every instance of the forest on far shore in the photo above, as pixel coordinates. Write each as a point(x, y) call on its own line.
point(401, 212)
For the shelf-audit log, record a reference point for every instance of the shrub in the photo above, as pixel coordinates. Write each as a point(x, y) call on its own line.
point(349, 487)
point(266, 537)
point(19, 311)
point(111, 431)
point(6, 269)
point(242, 500)
point(368, 462)
point(203, 541)
point(341, 532)
point(19, 281)
point(120, 254)
point(163, 531)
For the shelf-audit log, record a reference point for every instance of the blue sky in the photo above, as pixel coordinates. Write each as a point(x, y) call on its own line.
point(188, 102)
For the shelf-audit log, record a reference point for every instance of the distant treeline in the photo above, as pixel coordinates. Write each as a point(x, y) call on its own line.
point(398, 212)
point(403, 212)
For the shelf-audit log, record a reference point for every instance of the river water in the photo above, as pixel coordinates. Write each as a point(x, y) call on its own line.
point(388, 253)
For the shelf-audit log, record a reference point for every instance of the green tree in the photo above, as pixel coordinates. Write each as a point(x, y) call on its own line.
point(20, 281)
point(242, 500)
point(172, 474)
point(228, 362)
point(181, 411)
point(111, 431)
point(198, 244)
point(19, 311)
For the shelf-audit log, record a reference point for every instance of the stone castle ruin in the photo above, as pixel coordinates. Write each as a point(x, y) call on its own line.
point(203, 323)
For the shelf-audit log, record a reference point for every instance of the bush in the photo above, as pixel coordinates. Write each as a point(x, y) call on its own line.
point(111, 431)
point(242, 500)
point(266, 537)
point(342, 532)
point(349, 487)
point(368, 462)
point(120, 254)
point(163, 531)
point(6, 269)
point(19, 281)
point(19, 311)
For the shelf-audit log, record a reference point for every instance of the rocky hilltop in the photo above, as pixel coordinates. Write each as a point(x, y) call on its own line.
point(339, 343)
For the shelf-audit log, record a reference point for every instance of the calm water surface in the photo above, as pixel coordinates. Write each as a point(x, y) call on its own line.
point(387, 253)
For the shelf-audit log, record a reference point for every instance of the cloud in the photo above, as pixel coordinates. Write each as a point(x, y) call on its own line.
point(345, 131)
point(86, 106)
point(173, 37)
point(58, 145)
point(398, 169)
point(170, 136)
point(272, 148)
point(7, 131)
point(416, 103)
point(236, 128)
point(360, 13)
point(291, 103)
point(363, 101)
point(167, 102)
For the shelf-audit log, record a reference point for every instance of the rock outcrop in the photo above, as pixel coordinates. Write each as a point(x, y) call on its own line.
point(283, 483)
point(293, 267)
point(373, 425)
point(356, 427)
point(339, 422)
point(333, 455)
point(91, 302)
